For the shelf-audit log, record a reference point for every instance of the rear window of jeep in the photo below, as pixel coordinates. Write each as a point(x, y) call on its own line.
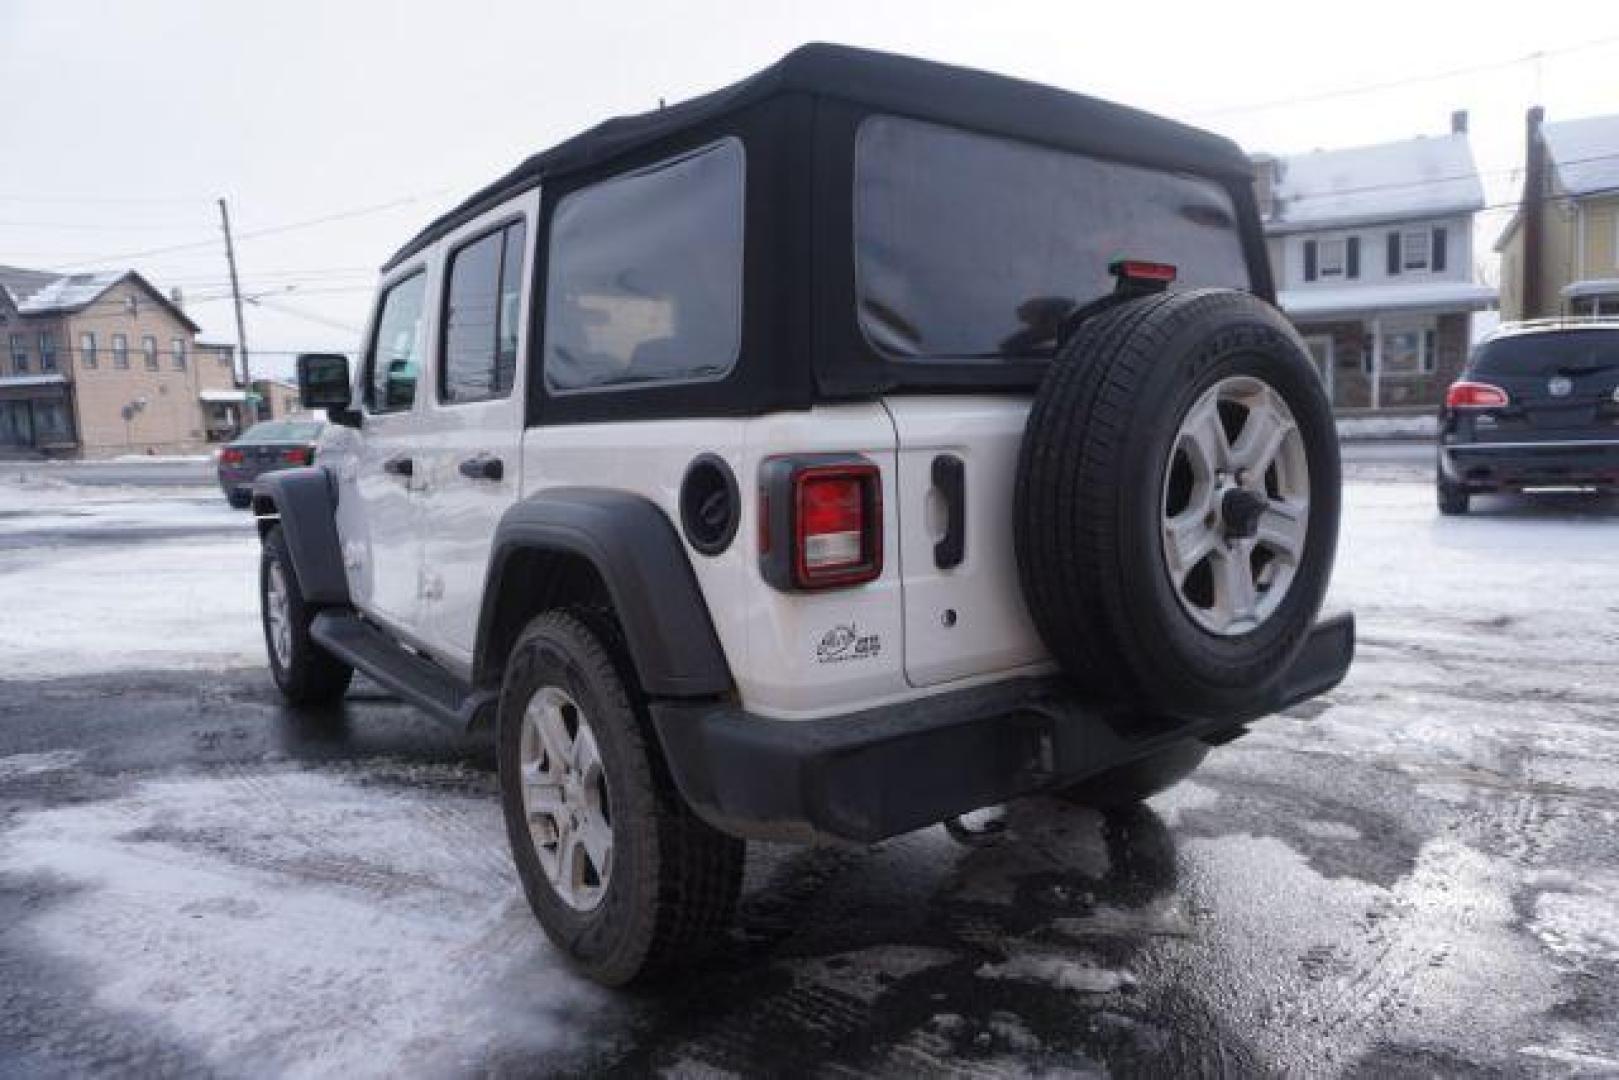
point(972, 247)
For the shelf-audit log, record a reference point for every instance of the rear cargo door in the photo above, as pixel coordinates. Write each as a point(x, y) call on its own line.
point(1559, 384)
point(963, 610)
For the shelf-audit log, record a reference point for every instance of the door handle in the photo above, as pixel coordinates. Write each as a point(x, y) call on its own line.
point(399, 466)
point(950, 477)
point(482, 467)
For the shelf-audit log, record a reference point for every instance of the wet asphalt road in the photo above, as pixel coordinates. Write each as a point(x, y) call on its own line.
point(1414, 876)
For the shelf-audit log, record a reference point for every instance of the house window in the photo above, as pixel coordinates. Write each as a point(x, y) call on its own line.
point(47, 350)
point(1409, 348)
point(87, 350)
point(177, 352)
point(1332, 258)
point(19, 353)
point(120, 351)
point(149, 351)
point(1415, 250)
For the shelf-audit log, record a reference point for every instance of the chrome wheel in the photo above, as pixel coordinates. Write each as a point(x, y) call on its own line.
point(276, 616)
point(566, 798)
point(1236, 505)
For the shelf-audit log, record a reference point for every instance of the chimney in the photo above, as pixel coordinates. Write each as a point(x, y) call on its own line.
point(1266, 173)
point(177, 297)
point(1532, 210)
point(1458, 122)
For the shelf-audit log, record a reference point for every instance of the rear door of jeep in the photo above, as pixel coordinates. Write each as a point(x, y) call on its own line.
point(974, 250)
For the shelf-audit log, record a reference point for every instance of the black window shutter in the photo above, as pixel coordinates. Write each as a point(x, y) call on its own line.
point(1352, 257)
point(1439, 248)
point(1394, 253)
point(1309, 260)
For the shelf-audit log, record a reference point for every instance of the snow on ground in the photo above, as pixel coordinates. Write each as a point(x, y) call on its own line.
point(82, 590)
point(289, 898)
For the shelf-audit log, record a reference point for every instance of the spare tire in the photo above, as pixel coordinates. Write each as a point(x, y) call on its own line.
point(1177, 500)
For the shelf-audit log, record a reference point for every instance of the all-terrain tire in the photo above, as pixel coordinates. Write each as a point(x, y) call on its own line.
point(674, 879)
point(1137, 781)
point(1091, 489)
point(306, 674)
point(1453, 499)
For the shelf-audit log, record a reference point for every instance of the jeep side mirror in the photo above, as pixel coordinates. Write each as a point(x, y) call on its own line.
point(323, 383)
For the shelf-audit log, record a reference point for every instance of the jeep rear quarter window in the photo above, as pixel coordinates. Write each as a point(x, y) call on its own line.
point(644, 281)
point(974, 247)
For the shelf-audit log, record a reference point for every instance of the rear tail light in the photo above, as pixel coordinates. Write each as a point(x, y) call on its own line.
point(822, 522)
point(298, 455)
point(1475, 395)
point(230, 456)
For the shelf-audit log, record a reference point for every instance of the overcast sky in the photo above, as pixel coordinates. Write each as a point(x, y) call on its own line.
point(121, 123)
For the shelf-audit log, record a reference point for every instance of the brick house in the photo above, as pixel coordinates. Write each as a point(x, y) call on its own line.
point(1372, 252)
point(102, 364)
point(1560, 251)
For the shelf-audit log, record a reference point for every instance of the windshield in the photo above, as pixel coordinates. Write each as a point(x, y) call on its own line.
point(1570, 353)
point(281, 431)
point(969, 247)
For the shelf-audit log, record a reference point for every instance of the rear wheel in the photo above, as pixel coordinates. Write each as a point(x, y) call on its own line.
point(305, 673)
point(623, 877)
point(1453, 499)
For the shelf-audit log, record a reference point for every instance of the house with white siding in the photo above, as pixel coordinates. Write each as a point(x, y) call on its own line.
point(1372, 252)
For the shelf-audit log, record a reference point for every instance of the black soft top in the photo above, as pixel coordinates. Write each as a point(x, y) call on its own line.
point(962, 97)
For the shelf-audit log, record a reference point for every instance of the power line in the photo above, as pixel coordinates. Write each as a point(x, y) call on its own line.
point(1396, 84)
point(274, 230)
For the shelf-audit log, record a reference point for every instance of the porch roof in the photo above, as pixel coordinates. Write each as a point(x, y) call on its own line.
point(1590, 287)
point(1371, 299)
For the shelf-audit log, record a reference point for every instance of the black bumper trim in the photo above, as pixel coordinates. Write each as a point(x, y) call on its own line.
point(867, 776)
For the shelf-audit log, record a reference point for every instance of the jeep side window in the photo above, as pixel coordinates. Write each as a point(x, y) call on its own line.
point(395, 360)
point(480, 317)
point(974, 247)
point(645, 275)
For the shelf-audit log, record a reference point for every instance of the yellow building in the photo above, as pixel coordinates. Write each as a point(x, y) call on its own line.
point(1560, 251)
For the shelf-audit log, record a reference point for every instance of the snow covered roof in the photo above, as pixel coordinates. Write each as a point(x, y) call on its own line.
point(41, 292)
point(1315, 302)
point(1591, 287)
point(1396, 181)
point(1585, 153)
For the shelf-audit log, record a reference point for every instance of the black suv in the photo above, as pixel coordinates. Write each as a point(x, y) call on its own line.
point(1538, 406)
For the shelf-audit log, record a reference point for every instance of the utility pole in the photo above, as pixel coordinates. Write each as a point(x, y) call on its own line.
point(236, 295)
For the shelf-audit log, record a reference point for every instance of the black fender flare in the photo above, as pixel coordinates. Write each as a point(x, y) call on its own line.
point(641, 561)
point(305, 500)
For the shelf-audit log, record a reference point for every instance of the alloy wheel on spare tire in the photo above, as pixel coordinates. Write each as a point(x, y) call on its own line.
point(1177, 503)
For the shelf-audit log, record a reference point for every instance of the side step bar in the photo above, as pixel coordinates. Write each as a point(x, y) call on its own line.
point(416, 679)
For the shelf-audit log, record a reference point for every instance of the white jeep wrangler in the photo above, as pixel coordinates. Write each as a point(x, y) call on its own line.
point(822, 458)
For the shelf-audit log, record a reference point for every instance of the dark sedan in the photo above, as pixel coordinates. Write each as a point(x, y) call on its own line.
point(1537, 407)
point(266, 447)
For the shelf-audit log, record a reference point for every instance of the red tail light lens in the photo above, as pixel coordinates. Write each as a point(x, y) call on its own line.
point(1475, 395)
point(298, 456)
point(230, 456)
point(831, 522)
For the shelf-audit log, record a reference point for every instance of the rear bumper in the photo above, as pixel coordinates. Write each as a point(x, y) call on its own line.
point(876, 774)
point(1483, 466)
